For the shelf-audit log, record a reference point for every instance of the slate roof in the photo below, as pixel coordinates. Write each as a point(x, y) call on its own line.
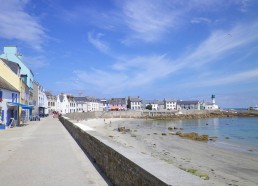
point(151, 102)
point(15, 67)
point(169, 100)
point(61, 97)
point(135, 99)
point(194, 102)
point(86, 99)
point(117, 101)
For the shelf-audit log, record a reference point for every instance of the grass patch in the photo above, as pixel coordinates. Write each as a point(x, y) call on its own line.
point(191, 170)
point(203, 176)
point(167, 160)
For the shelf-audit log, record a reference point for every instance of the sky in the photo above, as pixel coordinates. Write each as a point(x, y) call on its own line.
point(173, 49)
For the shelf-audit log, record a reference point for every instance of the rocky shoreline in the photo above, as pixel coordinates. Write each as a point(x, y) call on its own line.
point(210, 114)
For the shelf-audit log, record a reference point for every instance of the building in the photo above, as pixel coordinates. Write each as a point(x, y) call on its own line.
point(51, 102)
point(9, 94)
point(154, 104)
point(89, 104)
point(134, 103)
point(62, 104)
point(11, 54)
point(72, 107)
point(188, 105)
point(117, 104)
point(66, 103)
point(39, 100)
point(169, 104)
point(81, 104)
point(212, 105)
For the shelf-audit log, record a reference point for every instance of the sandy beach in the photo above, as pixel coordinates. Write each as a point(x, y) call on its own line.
point(220, 166)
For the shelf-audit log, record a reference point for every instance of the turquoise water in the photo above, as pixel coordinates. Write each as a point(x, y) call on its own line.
point(239, 133)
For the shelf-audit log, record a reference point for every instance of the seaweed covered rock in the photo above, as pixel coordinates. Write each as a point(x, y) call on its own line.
point(193, 136)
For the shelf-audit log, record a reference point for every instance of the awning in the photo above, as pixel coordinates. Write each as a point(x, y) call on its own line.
point(117, 108)
point(19, 105)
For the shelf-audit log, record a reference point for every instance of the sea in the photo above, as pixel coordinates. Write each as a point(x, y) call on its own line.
point(239, 134)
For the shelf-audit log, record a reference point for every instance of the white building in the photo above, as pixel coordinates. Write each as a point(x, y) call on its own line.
point(188, 105)
point(169, 104)
point(134, 103)
point(52, 102)
point(72, 107)
point(212, 105)
point(154, 104)
point(88, 104)
point(9, 105)
point(65, 103)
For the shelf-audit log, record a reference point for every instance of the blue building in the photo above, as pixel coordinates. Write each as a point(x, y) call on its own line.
point(11, 53)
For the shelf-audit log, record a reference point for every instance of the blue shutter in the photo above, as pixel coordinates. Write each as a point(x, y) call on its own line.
point(2, 115)
point(12, 97)
point(1, 94)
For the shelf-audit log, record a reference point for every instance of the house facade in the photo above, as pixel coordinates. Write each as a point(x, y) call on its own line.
point(169, 104)
point(11, 54)
point(9, 96)
point(51, 102)
point(154, 104)
point(117, 104)
point(39, 100)
point(188, 105)
point(72, 107)
point(134, 103)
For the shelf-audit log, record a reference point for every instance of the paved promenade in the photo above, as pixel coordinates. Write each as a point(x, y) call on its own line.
point(44, 153)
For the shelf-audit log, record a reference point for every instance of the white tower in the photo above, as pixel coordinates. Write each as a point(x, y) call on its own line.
point(213, 99)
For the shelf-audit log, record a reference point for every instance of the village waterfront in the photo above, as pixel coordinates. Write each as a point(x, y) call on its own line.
point(230, 158)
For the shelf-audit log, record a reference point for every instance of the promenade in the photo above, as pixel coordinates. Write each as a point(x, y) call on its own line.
point(44, 153)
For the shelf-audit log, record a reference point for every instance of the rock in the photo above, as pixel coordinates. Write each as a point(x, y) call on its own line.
point(179, 133)
point(193, 136)
point(170, 128)
point(123, 129)
point(163, 134)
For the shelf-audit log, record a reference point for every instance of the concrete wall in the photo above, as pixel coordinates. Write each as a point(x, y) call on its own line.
point(119, 169)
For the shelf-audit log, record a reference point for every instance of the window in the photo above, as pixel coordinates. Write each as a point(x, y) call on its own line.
point(14, 97)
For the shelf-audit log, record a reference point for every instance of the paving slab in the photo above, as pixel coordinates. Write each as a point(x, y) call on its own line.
point(44, 153)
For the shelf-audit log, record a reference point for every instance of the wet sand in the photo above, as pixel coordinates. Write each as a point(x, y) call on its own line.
point(223, 167)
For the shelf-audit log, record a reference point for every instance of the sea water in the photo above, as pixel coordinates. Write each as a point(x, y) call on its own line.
point(235, 133)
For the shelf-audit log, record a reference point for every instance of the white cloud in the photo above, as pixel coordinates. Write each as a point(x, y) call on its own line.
point(15, 23)
point(149, 20)
point(198, 20)
point(97, 42)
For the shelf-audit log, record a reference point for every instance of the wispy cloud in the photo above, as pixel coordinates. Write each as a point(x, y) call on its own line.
point(96, 41)
point(221, 42)
point(144, 70)
point(16, 23)
point(148, 20)
point(36, 62)
point(198, 20)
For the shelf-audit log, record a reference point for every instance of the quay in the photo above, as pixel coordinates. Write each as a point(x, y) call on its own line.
point(44, 153)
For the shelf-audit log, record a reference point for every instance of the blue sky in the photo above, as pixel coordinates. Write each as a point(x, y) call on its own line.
point(182, 49)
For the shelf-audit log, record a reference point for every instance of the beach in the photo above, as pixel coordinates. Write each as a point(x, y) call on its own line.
point(218, 166)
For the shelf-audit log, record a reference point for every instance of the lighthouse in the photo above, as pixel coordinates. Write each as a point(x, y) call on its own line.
point(213, 99)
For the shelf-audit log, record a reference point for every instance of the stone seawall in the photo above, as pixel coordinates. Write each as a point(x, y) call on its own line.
point(119, 169)
point(184, 114)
